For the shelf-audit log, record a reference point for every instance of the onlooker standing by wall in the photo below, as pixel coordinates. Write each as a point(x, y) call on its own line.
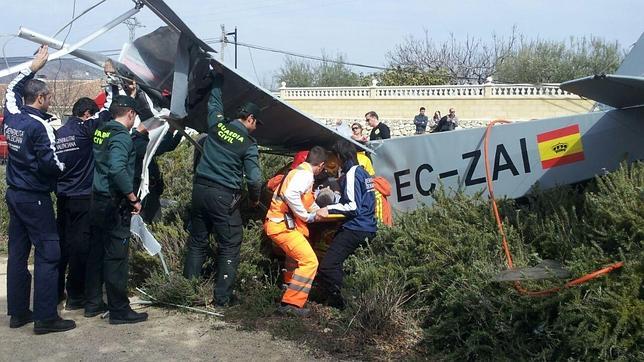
point(379, 130)
point(357, 135)
point(447, 123)
point(421, 121)
point(434, 121)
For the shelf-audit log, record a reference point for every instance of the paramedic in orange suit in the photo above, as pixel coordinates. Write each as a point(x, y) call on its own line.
point(292, 207)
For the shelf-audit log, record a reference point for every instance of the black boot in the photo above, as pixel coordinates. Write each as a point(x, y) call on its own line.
point(225, 280)
point(289, 309)
point(53, 325)
point(18, 321)
point(335, 300)
point(130, 317)
point(74, 304)
point(93, 312)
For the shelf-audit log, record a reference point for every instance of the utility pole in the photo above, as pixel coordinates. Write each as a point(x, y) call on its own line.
point(133, 23)
point(235, 34)
point(223, 41)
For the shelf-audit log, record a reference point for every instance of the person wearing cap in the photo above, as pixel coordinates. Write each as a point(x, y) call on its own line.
point(32, 170)
point(113, 203)
point(230, 155)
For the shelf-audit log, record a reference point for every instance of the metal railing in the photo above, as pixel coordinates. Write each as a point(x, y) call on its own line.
point(490, 90)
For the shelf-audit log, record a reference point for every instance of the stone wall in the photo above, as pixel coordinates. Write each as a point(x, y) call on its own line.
point(475, 105)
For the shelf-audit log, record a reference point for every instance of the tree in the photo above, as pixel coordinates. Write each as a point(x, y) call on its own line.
point(411, 76)
point(468, 61)
point(510, 60)
point(330, 72)
point(296, 73)
point(335, 74)
point(541, 61)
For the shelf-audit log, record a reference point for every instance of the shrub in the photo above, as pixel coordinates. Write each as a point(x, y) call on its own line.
point(176, 289)
point(427, 284)
point(445, 259)
point(257, 273)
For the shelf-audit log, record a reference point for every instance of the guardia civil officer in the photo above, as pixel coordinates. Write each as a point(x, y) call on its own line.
point(113, 203)
point(230, 154)
point(74, 191)
point(32, 170)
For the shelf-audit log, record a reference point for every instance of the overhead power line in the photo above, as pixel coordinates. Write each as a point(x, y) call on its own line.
point(323, 59)
point(299, 55)
point(112, 52)
point(77, 17)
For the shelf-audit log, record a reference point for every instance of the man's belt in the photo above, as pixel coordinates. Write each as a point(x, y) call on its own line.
point(205, 182)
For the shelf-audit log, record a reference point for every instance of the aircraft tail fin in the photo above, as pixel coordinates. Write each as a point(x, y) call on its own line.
point(633, 64)
point(617, 91)
point(623, 89)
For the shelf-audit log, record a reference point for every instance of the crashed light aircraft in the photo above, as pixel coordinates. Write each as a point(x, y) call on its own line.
point(171, 64)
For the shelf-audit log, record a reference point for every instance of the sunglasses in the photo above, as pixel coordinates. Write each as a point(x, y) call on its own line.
point(355, 128)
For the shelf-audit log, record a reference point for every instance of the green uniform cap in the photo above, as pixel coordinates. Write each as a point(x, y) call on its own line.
point(125, 101)
point(252, 108)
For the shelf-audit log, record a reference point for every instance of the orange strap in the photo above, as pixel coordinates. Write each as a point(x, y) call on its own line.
point(504, 241)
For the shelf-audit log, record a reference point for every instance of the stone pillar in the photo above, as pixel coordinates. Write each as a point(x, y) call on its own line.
point(283, 91)
point(372, 89)
point(487, 88)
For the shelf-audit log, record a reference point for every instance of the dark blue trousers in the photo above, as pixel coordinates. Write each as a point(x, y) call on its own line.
point(345, 242)
point(73, 229)
point(32, 222)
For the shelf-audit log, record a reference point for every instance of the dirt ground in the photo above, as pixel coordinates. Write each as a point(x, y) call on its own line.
point(167, 335)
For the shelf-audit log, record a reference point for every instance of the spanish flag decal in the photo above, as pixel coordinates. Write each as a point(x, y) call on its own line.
point(560, 147)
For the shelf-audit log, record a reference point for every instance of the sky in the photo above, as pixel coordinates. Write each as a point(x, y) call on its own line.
point(360, 30)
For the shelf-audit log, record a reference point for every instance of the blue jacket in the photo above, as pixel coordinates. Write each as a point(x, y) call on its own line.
point(358, 202)
point(74, 147)
point(33, 164)
point(420, 120)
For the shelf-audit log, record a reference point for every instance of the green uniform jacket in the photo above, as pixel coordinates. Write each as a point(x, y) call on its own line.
point(230, 153)
point(114, 160)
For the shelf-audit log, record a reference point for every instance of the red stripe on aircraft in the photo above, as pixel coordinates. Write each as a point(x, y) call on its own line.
point(564, 160)
point(561, 132)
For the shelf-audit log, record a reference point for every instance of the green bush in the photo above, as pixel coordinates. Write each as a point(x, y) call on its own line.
point(257, 274)
point(446, 257)
point(427, 285)
point(175, 289)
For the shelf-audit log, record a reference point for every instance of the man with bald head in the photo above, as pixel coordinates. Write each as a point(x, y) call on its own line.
point(32, 170)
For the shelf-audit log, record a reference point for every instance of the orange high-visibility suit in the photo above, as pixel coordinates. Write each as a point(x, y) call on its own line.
point(294, 197)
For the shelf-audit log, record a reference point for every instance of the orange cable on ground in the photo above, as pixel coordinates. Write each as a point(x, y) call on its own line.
point(504, 243)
